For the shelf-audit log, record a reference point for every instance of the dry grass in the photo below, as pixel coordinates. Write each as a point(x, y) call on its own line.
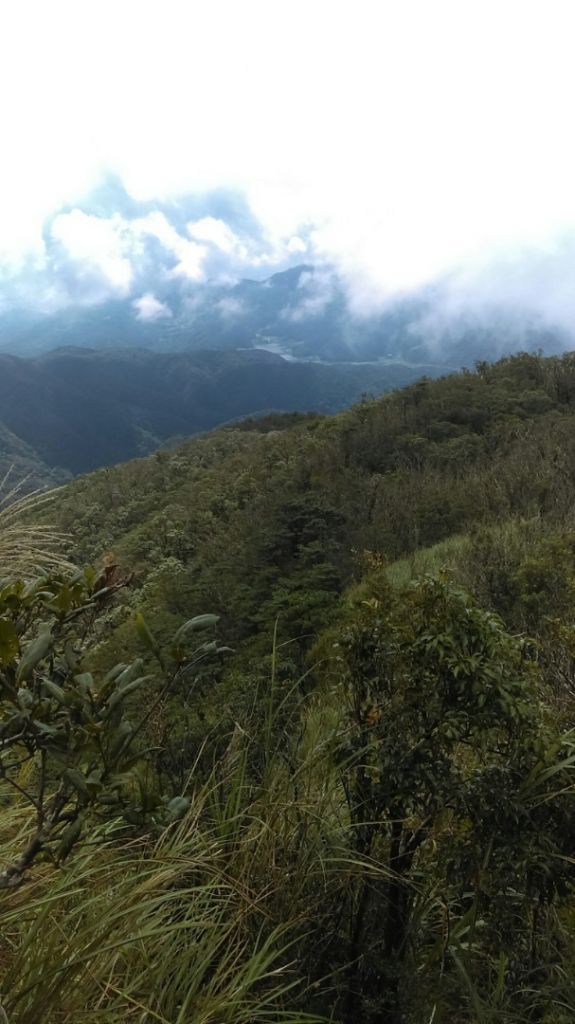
point(159, 930)
point(27, 547)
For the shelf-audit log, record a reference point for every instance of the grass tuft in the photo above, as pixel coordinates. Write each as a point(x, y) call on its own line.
point(28, 548)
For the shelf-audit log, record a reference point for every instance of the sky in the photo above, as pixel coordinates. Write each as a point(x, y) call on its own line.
point(399, 141)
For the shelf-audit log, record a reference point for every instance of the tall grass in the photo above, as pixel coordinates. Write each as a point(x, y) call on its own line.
point(145, 930)
point(228, 917)
point(203, 922)
point(245, 910)
point(27, 547)
point(446, 554)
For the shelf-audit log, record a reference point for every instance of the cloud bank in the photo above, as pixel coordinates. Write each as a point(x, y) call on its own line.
point(399, 146)
point(160, 256)
point(149, 308)
point(109, 246)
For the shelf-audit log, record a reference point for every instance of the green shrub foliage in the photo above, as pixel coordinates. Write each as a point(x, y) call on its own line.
point(358, 805)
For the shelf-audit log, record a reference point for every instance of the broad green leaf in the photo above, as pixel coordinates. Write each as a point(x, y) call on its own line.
point(144, 633)
point(43, 727)
point(70, 656)
point(77, 780)
point(34, 653)
point(194, 625)
point(119, 695)
point(70, 836)
point(63, 600)
point(84, 681)
point(53, 690)
point(121, 737)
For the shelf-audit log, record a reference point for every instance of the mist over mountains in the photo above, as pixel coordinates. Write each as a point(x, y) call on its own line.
point(200, 271)
point(129, 322)
point(300, 313)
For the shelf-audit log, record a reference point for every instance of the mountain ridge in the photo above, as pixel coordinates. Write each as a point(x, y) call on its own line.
point(79, 408)
point(301, 312)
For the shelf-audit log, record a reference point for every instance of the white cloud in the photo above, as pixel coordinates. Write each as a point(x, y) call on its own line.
point(519, 288)
point(296, 245)
point(148, 308)
point(211, 229)
point(230, 308)
point(244, 252)
point(423, 136)
point(88, 259)
point(318, 289)
point(100, 246)
point(189, 255)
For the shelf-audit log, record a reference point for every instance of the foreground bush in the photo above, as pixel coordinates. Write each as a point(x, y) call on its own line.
point(385, 841)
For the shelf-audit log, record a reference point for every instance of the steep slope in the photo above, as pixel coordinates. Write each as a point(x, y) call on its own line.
point(262, 524)
point(24, 464)
point(80, 408)
point(351, 716)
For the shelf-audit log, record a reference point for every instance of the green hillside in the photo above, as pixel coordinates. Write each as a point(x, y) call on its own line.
point(23, 462)
point(248, 510)
point(78, 408)
point(307, 726)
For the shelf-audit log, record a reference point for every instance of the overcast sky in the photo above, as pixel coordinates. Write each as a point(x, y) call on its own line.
point(398, 140)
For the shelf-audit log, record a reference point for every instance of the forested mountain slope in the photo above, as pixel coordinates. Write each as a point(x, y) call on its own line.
point(268, 521)
point(303, 312)
point(80, 408)
point(272, 518)
point(308, 724)
point(23, 463)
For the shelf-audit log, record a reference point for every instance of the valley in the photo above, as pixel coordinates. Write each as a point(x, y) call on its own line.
point(73, 409)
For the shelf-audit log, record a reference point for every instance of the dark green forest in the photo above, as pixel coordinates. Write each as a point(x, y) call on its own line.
point(287, 726)
point(74, 409)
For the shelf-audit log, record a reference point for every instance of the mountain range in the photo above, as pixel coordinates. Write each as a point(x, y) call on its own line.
point(73, 409)
point(301, 313)
point(92, 385)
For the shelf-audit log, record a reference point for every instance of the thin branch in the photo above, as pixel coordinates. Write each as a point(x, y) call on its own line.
point(21, 790)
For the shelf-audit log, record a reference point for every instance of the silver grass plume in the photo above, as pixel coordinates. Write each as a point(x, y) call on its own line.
point(28, 548)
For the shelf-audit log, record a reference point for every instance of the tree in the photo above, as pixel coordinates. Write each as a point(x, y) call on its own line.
point(69, 739)
point(443, 761)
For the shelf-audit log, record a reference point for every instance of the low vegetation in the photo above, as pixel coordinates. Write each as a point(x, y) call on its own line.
point(301, 747)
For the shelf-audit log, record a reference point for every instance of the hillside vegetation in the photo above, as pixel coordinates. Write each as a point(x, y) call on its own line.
point(277, 516)
point(76, 409)
point(24, 463)
point(300, 745)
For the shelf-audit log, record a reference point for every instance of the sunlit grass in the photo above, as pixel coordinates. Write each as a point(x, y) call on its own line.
point(146, 930)
point(27, 547)
point(445, 555)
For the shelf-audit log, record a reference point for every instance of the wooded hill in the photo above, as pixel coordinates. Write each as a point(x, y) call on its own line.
point(74, 409)
point(315, 711)
point(274, 516)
